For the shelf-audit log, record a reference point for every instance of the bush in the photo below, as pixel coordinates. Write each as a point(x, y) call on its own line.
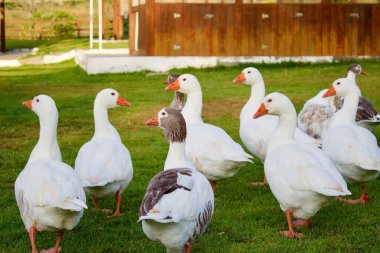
point(65, 29)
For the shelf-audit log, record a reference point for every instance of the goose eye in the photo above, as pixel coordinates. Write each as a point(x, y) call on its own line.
point(113, 93)
point(37, 100)
point(184, 79)
point(338, 83)
point(269, 100)
point(163, 114)
point(249, 72)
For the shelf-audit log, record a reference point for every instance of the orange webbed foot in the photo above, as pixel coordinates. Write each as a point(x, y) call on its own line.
point(300, 223)
point(292, 235)
point(51, 250)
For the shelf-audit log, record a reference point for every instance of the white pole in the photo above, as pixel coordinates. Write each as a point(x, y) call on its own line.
point(91, 24)
point(100, 12)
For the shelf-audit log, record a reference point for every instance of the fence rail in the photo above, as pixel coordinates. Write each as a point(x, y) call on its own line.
point(41, 29)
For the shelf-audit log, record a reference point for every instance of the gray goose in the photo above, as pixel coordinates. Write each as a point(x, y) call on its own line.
point(179, 201)
point(179, 98)
point(366, 115)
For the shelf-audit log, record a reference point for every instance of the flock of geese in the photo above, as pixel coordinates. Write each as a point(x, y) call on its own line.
point(307, 160)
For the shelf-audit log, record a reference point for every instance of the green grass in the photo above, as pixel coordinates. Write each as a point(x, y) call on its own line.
point(246, 219)
point(60, 45)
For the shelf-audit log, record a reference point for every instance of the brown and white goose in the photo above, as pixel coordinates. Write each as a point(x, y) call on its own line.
point(317, 111)
point(179, 98)
point(179, 201)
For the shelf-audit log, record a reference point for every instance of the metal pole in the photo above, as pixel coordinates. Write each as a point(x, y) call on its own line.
point(91, 24)
point(2, 23)
point(100, 12)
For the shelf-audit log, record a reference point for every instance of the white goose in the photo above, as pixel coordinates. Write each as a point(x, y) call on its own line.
point(255, 132)
point(179, 202)
point(302, 178)
point(104, 164)
point(208, 147)
point(49, 194)
point(353, 149)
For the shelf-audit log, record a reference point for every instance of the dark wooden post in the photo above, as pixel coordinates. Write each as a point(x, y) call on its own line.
point(2, 23)
point(116, 19)
point(131, 36)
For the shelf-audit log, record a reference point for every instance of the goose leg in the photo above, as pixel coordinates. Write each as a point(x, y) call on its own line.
point(96, 204)
point(32, 236)
point(264, 182)
point(363, 198)
point(188, 247)
point(118, 199)
point(290, 233)
point(56, 248)
point(301, 223)
point(213, 185)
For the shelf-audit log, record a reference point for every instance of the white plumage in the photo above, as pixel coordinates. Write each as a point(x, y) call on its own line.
point(302, 178)
point(104, 164)
point(353, 149)
point(208, 147)
point(48, 192)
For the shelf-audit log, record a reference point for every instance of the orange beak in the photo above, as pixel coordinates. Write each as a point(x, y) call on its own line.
point(330, 92)
point(122, 102)
point(173, 86)
point(28, 104)
point(152, 122)
point(362, 72)
point(260, 112)
point(165, 81)
point(239, 79)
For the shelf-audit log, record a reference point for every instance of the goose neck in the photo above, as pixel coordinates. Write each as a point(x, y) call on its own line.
point(254, 101)
point(192, 112)
point(103, 128)
point(47, 141)
point(284, 131)
point(178, 101)
point(176, 157)
point(351, 76)
point(348, 112)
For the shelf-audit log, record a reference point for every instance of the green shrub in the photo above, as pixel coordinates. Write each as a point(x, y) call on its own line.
point(61, 29)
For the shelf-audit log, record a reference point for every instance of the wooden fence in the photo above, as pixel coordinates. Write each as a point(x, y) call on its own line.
point(255, 29)
point(27, 29)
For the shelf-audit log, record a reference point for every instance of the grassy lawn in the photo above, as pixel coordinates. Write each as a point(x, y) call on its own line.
point(60, 45)
point(246, 219)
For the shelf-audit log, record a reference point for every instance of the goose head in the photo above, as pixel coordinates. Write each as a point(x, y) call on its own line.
point(341, 87)
point(356, 69)
point(185, 83)
point(110, 98)
point(42, 105)
point(249, 76)
point(171, 78)
point(172, 122)
point(274, 104)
